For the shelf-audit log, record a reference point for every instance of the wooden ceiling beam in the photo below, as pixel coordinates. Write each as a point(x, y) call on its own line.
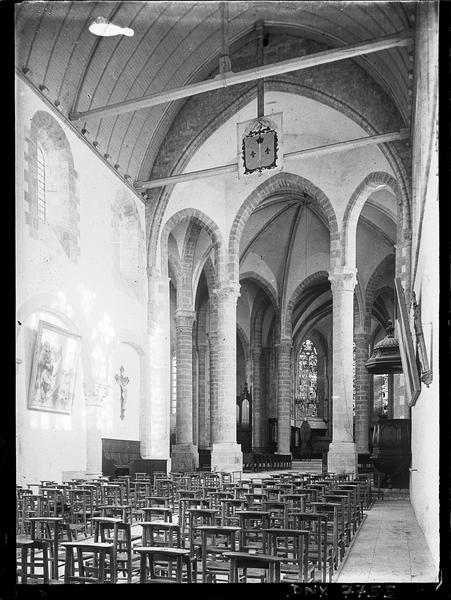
point(403, 38)
point(391, 136)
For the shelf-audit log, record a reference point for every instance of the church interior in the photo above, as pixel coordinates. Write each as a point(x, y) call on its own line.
point(227, 292)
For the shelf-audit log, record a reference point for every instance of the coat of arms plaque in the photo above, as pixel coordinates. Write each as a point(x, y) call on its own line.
point(259, 145)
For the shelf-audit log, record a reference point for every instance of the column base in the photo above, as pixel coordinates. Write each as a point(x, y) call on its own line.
point(342, 458)
point(184, 458)
point(226, 457)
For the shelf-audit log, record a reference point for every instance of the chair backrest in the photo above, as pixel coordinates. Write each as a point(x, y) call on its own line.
point(156, 533)
point(292, 546)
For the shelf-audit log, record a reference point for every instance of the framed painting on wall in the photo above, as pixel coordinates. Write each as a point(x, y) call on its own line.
point(53, 370)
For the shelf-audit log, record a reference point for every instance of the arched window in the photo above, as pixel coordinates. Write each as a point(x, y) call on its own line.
point(307, 397)
point(173, 384)
point(245, 412)
point(41, 168)
point(53, 185)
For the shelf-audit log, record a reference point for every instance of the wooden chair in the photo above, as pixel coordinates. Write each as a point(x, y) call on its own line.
point(336, 533)
point(215, 540)
point(252, 566)
point(292, 546)
point(32, 568)
point(81, 510)
point(320, 550)
point(118, 533)
point(161, 564)
point(295, 501)
point(86, 562)
point(158, 533)
point(252, 523)
point(51, 530)
point(186, 504)
point(153, 513)
point(229, 507)
point(278, 513)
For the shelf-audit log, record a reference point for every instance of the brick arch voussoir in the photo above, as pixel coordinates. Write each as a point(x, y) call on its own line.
point(280, 182)
point(287, 325)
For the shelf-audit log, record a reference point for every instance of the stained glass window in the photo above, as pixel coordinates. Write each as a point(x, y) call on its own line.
point(307, 397)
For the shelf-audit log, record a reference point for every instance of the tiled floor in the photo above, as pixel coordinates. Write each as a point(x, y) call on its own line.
point(389, 548)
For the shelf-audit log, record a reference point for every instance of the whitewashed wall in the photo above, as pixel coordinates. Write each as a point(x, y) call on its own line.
point(88, 296)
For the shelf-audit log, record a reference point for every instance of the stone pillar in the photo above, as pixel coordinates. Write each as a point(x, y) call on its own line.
point(283, 395)
point(226, 454)
point(195, 380)
point(94, 397)
point(212, 337)
point(264, 394)
point(155, 411)
point(362, 393)
point(342, 457)
point(184, 453)
point(257, 402)
point(203, 397)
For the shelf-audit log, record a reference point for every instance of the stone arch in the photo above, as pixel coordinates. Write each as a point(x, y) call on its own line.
point(372, 182)
point(128, 242)
point(281, 182)
point(395, 153)
point(373, 286)
point(244, 340)
point(264, 284)
point(287, 325)
point(185, 288)
point(210, 275)
point(359, 307)
point(204, 222)
point(61, 197)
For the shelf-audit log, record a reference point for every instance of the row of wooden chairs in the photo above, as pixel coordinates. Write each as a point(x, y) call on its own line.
point(326, 511)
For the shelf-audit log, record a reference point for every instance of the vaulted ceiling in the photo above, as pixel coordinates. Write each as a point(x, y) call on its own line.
point(176, 43)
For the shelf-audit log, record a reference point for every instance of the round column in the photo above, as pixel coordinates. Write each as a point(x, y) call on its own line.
point(184, 453)
point(342, 456)
point(226, 454)
point(283, 395)
point(257, 404)
point(362, 394)
point(203, 396)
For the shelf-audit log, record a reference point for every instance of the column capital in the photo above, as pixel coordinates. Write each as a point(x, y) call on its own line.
point(343, 279)
point(227, 290)
point(256, 352)
point(285, 343)
point(184, 318)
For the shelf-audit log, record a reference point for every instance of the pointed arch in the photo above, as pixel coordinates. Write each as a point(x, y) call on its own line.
point(204, 222)
point(372, 182)
point(281, 182)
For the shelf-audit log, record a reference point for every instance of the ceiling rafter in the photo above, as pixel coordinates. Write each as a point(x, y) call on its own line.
point(401, 39)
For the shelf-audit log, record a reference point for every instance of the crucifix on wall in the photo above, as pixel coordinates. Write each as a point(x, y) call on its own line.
point(123, 382)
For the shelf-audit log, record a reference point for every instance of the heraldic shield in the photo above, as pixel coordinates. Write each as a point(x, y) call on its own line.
point(260, 146)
